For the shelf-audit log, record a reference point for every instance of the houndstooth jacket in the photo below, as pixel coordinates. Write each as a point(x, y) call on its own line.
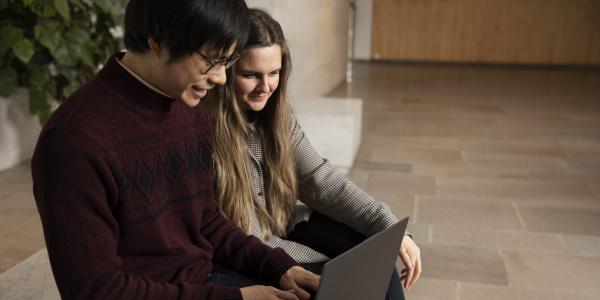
point(321, 188)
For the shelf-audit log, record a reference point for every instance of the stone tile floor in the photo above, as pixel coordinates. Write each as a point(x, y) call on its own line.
point(498, 168)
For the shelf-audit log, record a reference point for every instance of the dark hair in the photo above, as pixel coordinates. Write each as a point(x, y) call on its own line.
point(185, 26)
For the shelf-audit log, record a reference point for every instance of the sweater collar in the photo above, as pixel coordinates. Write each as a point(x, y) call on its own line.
point(136, 95)
point(140, 79)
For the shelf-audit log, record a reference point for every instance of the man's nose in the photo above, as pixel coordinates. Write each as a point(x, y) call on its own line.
point(218, 77)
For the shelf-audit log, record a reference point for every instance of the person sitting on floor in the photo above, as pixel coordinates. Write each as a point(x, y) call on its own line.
point(264, 162)
point(122, 171)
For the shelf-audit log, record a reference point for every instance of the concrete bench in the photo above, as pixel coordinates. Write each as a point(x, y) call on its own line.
point(30, 279)
point(333, 126)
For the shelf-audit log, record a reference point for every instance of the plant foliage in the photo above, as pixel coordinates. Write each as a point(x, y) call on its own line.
point(51, 47)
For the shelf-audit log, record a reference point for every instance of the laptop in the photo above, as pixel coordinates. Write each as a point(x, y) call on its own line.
point(363, 272)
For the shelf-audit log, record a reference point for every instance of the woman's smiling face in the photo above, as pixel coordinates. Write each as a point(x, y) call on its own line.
point(257, 76)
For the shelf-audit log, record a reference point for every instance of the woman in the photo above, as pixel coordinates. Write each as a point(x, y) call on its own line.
point(264, 162)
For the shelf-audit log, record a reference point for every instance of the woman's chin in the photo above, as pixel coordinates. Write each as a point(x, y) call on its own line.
point(256, 105)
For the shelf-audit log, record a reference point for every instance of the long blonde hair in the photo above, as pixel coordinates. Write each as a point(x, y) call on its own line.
point(234, 191)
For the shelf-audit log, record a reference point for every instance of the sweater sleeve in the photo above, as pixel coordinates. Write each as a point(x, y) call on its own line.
point(76, 194)
point(331, 193)
point(237, 250)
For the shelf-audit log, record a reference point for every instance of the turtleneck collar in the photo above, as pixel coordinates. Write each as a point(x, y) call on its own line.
point(136, 94)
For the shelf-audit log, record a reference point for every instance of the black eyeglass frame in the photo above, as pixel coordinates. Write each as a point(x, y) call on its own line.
point(228, 62)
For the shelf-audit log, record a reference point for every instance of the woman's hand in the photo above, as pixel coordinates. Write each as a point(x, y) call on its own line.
point(411, 258)
point(297, 278)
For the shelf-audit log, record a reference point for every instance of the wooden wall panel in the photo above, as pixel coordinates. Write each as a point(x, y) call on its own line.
point(488, 31)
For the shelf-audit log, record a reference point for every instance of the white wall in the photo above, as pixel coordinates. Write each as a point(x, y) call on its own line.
point(18, 130)
point(362, 29)
point(317, 34)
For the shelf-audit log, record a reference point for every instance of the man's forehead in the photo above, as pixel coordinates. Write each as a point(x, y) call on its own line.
point(218, 53)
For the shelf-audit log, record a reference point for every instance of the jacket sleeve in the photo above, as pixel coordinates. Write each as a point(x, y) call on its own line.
point(299, 252)
point(75, 194)
point(329, 192)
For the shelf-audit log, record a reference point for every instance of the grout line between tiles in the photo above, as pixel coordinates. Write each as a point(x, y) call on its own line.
point(415, 209)
point(430, 233)
point(519, 217)
point(564, 242)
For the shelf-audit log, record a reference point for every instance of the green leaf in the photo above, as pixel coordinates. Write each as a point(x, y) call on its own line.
point(44, 25)
point(105, 6)
point(48, 10)
point(41, 92)
point(62, 6)
point(46, 31)
point(70, 74)
point(75, 39)
point(74, 53)
point(8, 82)
point(62, 55)
point(77, 6)
point(44, 116)
point(77, 35)
point(9, 35)
point(38, 30)
point(39, 77)
point(86, 56)
point(38, 100)
point(23, 49)
point(70, 89)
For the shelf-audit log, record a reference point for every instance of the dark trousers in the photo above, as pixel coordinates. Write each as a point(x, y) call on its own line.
point(332, 238)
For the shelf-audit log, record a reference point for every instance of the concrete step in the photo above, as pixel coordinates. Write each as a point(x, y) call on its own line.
point(333, 126)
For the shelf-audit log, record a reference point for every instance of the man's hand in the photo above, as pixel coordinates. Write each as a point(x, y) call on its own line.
point(297, 278)
point(411, 258)
point(262, 292)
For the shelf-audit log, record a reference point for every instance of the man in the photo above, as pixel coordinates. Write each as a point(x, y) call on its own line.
point(122, 171)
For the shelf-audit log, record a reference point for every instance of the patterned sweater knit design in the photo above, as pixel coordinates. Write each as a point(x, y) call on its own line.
point(123, 183)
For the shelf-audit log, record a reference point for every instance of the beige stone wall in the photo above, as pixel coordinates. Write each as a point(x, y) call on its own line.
point(317, 33)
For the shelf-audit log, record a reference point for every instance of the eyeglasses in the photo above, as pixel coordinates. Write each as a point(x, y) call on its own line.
point(228, 62)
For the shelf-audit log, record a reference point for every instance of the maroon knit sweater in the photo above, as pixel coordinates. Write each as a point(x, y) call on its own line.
point(123, 183)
